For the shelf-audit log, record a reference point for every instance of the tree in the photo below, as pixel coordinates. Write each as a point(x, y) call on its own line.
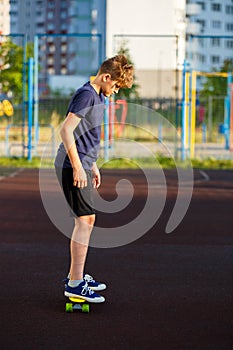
point(11, 68)
point(215, 89)
point(217, 86)
point(133, 92)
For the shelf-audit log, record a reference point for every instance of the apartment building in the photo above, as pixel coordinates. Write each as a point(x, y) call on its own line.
point(67, 55)
point(209, 18)
point(55, 22)
point(4, 17)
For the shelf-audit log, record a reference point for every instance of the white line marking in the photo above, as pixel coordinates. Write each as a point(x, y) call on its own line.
point(16, 172)
point(12, 174)
point(205, 175)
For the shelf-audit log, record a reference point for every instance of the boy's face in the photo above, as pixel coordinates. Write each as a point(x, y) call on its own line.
point(109, 86)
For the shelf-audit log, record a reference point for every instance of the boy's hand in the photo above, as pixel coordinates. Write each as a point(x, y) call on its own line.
point(96, 177)
point(79, 177)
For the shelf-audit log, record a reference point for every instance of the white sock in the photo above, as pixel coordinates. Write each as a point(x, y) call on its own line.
point(74, 283)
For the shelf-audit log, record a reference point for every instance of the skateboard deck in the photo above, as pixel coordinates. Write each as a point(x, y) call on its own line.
point(77, 304)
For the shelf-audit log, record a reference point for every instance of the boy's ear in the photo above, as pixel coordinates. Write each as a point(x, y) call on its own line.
point(106, 77)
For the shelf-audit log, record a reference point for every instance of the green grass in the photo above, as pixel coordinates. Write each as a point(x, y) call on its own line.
point(19, 162)
point(166, 163)
point(212, 163)
point(135, 163)
point(9, 165)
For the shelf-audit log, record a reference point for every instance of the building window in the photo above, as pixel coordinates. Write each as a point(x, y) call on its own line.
point(50, 4)
point(199, 57)
point(229, 27)
point(215, 59)
point(201, 42)
point(63, 48)
point(217, 24)
point(51, 70)
point(50, 26)
point(215, 42)
point(63, 26)
point(42, 47)
point(63, 15)
point(229, 44)
point(51, 48)
point(94, 14)
point(63, 4)
point(202, 22)
point(203, 58)
point(229, 9)
point(216, 7)
point(64, 70)
point(50, 60)
point(13, 13)
point(50, 15)
point(202, 4)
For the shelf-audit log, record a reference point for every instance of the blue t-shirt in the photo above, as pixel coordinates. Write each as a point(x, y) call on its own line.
point(89, 106)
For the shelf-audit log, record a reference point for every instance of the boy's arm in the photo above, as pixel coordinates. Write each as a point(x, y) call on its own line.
point(67, 135)
point(96, 177)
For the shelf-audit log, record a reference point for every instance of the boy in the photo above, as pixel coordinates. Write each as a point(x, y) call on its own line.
point(76, 166)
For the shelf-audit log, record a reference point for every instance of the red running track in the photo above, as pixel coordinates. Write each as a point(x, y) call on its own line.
point(164, 291)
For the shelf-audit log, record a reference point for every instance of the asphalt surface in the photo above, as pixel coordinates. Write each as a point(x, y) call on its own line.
point(165, 291)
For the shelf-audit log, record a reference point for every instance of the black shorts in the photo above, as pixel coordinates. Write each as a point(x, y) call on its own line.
point(81, 201)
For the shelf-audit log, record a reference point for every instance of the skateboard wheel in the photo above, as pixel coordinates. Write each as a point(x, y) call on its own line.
point(69, 307)
point(85, 308)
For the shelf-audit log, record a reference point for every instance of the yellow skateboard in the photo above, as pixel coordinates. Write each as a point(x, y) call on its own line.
point(77, 304)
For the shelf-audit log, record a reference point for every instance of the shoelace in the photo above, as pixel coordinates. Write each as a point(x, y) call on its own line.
point(87, 290)
point(88, 278)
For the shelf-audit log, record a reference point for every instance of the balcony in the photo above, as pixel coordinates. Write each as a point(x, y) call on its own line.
point(193, 28)
point(193, 9)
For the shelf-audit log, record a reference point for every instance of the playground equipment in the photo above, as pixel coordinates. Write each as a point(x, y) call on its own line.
point(188, 120)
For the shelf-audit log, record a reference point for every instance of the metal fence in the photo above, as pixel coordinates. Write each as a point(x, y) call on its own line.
point(149, 121)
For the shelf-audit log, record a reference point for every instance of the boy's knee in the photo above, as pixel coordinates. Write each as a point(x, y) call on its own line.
point(91, 220)
point(86, 220)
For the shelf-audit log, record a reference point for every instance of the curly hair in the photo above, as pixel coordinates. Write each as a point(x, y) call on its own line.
point(120, 70)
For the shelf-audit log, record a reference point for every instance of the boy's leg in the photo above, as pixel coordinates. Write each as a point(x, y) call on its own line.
point(77, 286)
point(79, 245)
